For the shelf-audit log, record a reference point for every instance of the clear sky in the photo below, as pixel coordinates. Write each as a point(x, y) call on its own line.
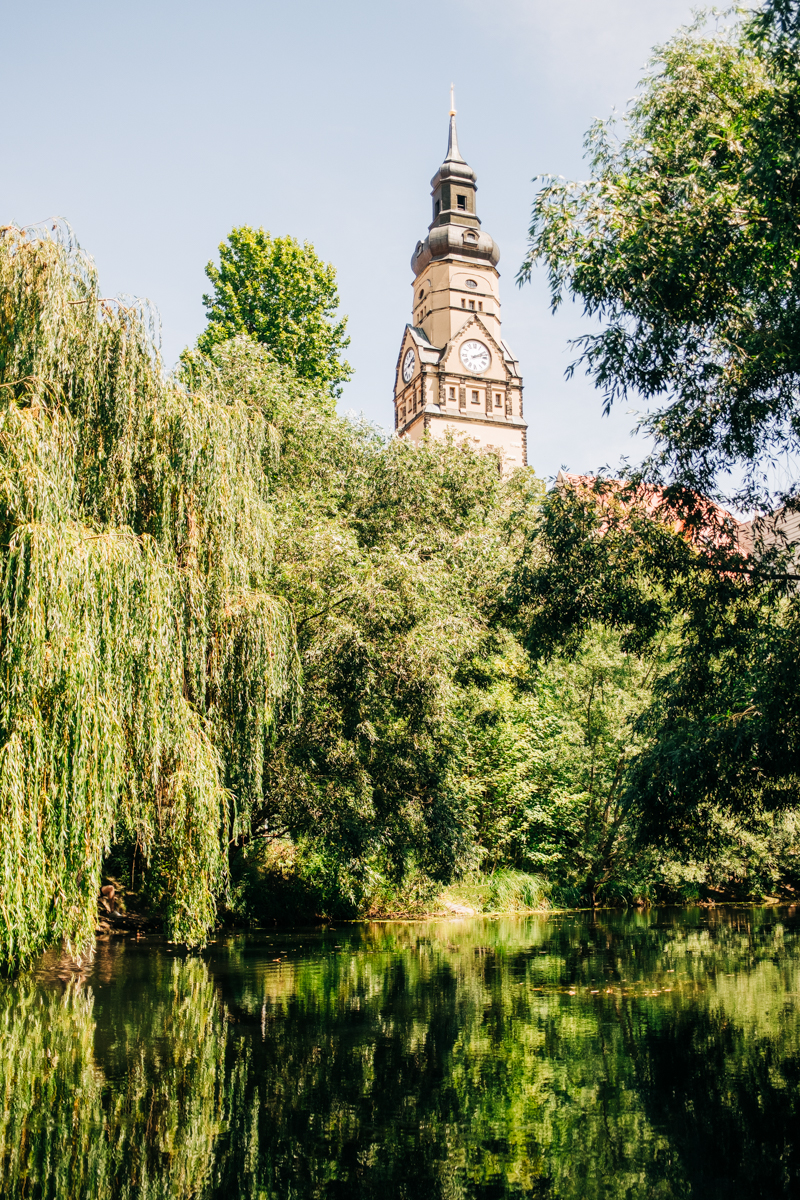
point(155, 127)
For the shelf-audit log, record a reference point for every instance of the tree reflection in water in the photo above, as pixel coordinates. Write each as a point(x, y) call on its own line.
point(653, 1055)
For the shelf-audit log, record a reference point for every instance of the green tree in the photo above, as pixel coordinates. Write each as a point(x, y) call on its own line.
point(722, 731)
point(281, 294)
point(685, 243)
point(144, 655)
point(227, 615)
point(550, 746)
point(389, 557)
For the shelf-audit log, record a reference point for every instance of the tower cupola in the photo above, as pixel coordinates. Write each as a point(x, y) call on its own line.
point(453, 187)
point(456, 227)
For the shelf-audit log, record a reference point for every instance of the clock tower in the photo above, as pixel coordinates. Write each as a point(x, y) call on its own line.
point(455, 373)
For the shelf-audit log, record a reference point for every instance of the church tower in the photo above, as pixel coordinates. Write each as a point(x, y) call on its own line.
point(455, 373)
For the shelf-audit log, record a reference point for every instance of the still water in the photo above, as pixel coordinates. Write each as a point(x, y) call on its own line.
point(646, 1055)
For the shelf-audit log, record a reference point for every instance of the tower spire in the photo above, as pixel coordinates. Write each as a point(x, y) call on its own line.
point(453, 154)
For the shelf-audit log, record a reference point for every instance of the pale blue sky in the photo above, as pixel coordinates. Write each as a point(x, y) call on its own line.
point(155, 127)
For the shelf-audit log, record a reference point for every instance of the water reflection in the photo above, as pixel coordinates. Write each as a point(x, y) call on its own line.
point(652, 1055)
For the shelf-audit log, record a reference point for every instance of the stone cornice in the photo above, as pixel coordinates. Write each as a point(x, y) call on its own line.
point(504, 422)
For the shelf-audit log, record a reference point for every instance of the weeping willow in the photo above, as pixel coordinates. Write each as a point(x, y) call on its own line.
point(142, 656)
point(140, 1124)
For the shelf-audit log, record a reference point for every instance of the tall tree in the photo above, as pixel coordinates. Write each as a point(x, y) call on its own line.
point(281, 294)
point(685, 243)
point(144, 654)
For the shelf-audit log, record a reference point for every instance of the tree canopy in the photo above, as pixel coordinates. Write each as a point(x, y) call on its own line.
point(244, 639)
point(720, 729)
point(144, 652)
point(685, 243)
point(282, 295)
point(229, 617)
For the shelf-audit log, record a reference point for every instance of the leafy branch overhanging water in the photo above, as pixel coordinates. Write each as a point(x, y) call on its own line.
point(135, 549)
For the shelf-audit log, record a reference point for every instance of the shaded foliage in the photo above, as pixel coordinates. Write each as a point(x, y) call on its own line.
point(389, 560)
point(550, 747)
point(719, 628)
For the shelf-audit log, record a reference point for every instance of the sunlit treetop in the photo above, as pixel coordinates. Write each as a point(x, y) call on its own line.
point(282, 295)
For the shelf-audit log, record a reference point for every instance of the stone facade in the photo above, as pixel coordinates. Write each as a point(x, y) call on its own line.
point(454, 371)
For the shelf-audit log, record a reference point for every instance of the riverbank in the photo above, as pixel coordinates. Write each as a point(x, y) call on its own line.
point(277, 898)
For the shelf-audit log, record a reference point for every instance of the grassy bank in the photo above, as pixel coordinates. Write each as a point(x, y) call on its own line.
point(283, 885)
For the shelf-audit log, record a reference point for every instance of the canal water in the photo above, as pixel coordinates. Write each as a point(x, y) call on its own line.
point(648, 1055)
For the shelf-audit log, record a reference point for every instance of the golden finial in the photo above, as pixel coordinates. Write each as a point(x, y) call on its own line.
point(452, 100)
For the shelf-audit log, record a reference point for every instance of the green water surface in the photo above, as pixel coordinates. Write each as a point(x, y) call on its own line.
point(569, 1055)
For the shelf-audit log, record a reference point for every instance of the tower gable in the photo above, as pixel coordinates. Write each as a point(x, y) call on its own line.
point(476, 330)
point(425, 355)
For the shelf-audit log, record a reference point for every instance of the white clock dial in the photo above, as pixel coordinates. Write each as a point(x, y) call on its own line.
point(408, 365)
point(475, 357)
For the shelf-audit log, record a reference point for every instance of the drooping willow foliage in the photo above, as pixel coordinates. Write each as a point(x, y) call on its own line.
point(142, 655)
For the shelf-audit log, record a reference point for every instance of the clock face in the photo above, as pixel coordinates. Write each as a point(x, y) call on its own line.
point(475, 357)
point(408, 364)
